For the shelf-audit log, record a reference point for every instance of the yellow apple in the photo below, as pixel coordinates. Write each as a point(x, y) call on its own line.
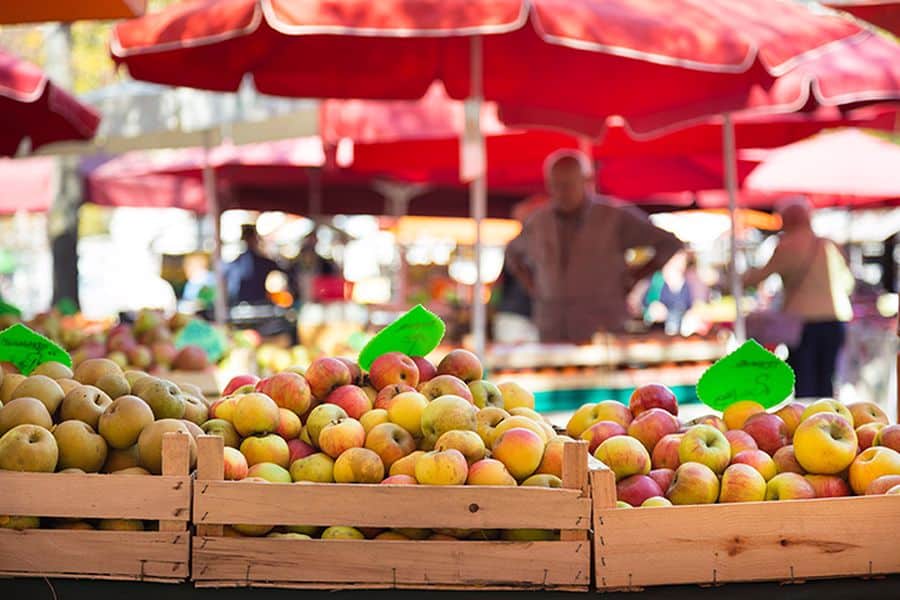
point(871, 464)
point(468, 443)
point(735, 414)
point(406, 411)
point(489, 471)
point(514, 395)
point(407, 464)
point(521, 450)
point(358, 465)
point(827, 405)
point(442, 467)
point(825, 443)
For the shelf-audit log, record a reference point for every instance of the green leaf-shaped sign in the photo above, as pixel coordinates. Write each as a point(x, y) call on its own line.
point(9, 309)
point(27, 349)
point(749, 373)
point(415, 333)
point(202, 334)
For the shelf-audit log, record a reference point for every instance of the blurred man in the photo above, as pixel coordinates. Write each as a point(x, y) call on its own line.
point(573, 257)
point(246, 275)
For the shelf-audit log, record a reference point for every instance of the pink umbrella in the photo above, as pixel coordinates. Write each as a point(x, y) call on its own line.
point(27, 184)
point(850, 166)
point(32, 106)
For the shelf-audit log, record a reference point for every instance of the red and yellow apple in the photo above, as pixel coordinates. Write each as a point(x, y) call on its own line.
point(825, 444)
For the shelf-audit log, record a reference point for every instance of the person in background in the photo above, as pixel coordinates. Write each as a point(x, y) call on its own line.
point(246, 275)
point(672, 292)
point(816, 288)
point(573, 263)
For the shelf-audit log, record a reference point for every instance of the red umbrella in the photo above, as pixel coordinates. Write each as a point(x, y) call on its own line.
point(32, 106)
point(851, 167)
point(541, 56)
point(883, 13)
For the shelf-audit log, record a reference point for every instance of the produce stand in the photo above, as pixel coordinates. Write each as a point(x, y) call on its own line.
point(220, 561)
point(161, 556)
point(787, 541)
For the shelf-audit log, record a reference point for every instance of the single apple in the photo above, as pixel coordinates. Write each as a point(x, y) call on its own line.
point(299, 449)
point(711, 420)
point(625, 456)
point(785, 459)
point(889, 437)
point(390, 442)
point(41, 387)
point(486, 421)
point(445, 385)
point(269, 472)
point(637, 488)
point(514, 421)
point(655, 501)
point(406, 411)
point(393, 368)
point(828, 486)
point(662, 477)
point(325, 375)
point(442, 467)
point(288, 390)
point(399, 480)
point(652, 395)
point(224, 430)
point(735, 415)
point(27, 411)
point(694, 483)
point(489, 471)
point(742, 483)
point(515, 396)
point(588, 414)
point(319, 418)
point(768, 431)
point(485, 393)
point(521, 450)
point(789, 486)
point(882, 484)
point(827, 405)
point(255, 413)
point(341, 435)
point(462, 364)
point(665, 453)
point(352, 399)
point(706, 445)
point(407, 464)
point(446, 414)
point(740, 440)
point(318, 467)
point(79, 447)
point(600, 431)
point(866, 434)
point(759, 460)
point(269, 448)
point(468, 443)
point(236, 467)
point(651, 425)
point(825, 444)
point(426, 369)
point(551, 463)
point(867, 412)
point(358, 465)
point(357, 377)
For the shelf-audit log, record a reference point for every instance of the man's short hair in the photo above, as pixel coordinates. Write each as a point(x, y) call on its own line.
point(568, 156)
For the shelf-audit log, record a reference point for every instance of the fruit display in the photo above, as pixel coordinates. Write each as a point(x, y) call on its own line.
point(824, 449)
point(405, 422)
point(95, 418)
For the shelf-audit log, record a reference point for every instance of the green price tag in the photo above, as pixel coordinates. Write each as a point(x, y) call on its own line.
point(415, 333)
point(9, 309)
point(202, 334)
point(27, 349)
point(749, 373)
point(67, 306)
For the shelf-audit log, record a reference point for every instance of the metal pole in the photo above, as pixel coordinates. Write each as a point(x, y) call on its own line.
point(730, 157)
point(477, 197)
point(220, 307)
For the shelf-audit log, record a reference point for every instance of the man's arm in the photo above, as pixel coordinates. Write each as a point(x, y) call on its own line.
point(637, 230)
point(756, 276)
point(516, 260)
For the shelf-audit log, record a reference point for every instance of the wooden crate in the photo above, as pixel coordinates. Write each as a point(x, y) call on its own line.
point(335, 564)
point(161, 556)
point(207, 381)
point(788, 541)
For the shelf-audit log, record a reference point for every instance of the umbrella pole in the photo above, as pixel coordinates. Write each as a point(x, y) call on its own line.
point(220, 306)
point(477, 194)
point(730, 157)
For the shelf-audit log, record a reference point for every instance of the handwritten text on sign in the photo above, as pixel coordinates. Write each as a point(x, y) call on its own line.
point(749, 373)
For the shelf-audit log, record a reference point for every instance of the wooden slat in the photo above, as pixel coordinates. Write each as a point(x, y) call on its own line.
point(603, 487)
point(95, 496)
point(575, 477)
point(779, 541)
point(394, 563)
point(469, 507)
point(176, 460)
point(106, 554)
point(338, 586)
point(210, 467)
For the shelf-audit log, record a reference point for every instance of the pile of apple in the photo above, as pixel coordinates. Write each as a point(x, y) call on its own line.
point(404, 422)
point(98, 418)
point(147, 344)
point(796, 452)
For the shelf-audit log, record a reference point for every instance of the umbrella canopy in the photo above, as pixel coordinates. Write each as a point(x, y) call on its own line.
point(27, 184)
point(702, 56)
point(853, 167)
point(883, 13)
point(32, 106)
point(138, 115)
point(12, 13)
point(174, 178)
